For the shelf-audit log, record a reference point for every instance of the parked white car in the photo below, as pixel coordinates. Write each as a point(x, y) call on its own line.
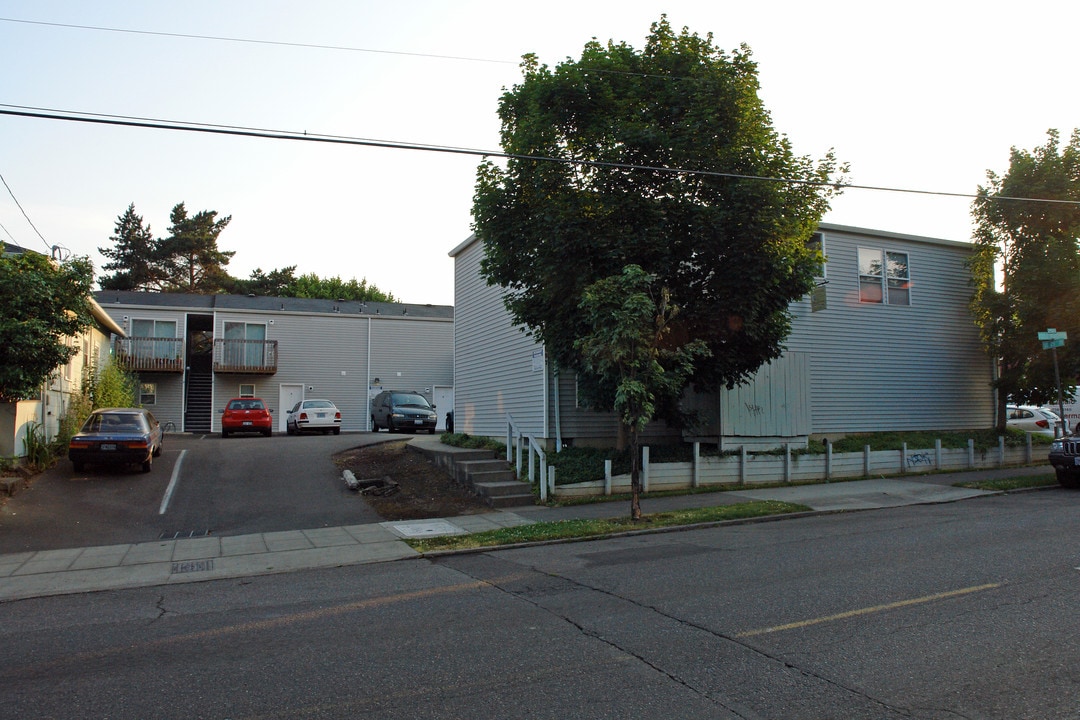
point(321, 415)
point(1031, 419)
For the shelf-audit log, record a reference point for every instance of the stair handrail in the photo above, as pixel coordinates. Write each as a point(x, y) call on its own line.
point(514, 441)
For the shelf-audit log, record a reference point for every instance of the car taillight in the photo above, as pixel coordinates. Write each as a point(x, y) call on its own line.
point(136, 445)
point(79, 444)
point(337, 416)
point(1042, 423)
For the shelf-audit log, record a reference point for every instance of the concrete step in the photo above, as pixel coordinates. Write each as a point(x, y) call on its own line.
point(493, 488)
point(505, 494)
point(489, 476)
point(463, 469)
point(505, 501)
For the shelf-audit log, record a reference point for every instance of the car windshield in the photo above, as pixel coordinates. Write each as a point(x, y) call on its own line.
point(409, 399)
point(246, 405)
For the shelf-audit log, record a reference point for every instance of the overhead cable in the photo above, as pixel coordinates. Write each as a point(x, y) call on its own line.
point(267, 134)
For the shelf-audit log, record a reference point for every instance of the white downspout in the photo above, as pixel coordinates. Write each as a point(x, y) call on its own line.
point(558, 411)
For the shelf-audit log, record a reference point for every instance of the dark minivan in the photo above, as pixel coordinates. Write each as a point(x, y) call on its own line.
point(400, 411)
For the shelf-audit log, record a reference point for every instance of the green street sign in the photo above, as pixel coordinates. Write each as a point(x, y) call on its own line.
point(1047, 344)
point(1053, 334)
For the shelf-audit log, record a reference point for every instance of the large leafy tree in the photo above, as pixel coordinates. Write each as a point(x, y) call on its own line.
point(41, 306)
point(189, 261)
point(665, 158)
point(1026, 268)
point(311, 285)
point(190, 257)
point(629, 348)
point(133, 258)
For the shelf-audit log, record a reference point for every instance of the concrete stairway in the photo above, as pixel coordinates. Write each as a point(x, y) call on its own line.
point(491, 478)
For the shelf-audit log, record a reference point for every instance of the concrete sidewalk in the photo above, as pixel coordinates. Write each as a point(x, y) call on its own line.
point(163, 562)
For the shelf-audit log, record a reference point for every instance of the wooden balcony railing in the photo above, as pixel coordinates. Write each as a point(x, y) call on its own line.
point(140, 354)
point(248, 357)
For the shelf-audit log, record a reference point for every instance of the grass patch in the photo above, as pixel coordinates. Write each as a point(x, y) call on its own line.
point(1013, 483)
point(568, 529)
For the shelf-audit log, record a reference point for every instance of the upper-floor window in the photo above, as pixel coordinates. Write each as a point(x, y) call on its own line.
point(161, 330)
point(153, 328)
point(248, 346)
point(884, 277)
point(817, 242)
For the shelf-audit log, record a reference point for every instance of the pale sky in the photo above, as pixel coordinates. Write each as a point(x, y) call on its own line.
point(919, 95)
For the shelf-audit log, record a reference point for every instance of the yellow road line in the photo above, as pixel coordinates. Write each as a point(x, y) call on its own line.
point(869, 610)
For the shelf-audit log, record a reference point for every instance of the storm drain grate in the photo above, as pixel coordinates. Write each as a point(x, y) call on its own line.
point(183, 534)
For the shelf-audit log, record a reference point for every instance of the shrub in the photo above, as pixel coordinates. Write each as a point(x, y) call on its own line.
point(468, 441)
point(113, 386)
point(39, 455)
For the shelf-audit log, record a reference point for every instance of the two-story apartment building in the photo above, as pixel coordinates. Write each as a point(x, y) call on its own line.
point(192, 353)
point(886, 342)
point(44, 411)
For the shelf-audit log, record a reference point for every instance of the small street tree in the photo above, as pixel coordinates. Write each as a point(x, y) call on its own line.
point(1026, 268)
point(41, 306)
point(631, 352)
point(663, 158)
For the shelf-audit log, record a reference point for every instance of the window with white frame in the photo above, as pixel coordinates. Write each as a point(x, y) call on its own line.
point(147, 394)
point(818, 296)
point(817, 242)
point(245, 343)
point(246, 390)
point(884, 277)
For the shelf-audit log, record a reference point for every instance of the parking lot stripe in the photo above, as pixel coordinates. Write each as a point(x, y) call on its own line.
point(172, 483)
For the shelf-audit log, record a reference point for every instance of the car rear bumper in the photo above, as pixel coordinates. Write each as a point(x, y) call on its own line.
point(111, 457)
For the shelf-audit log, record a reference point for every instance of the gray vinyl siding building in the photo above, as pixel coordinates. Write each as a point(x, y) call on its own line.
point(886, 345)
point(213, 348)
point(896, 366)
point(498, 368)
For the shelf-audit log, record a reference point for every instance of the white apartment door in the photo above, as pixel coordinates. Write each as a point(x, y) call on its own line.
point(288, 395)
point(443, 400)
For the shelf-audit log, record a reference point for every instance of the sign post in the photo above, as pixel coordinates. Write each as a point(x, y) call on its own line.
point(1052, 340)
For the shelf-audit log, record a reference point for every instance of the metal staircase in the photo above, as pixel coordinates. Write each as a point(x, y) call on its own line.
point(198, 414)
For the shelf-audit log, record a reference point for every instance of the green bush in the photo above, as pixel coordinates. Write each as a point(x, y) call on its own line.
point(113, 386)
point(78, 409)
point(468, 441)
point(39, 455)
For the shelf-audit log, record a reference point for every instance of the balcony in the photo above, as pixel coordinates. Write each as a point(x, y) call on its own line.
point(245, 357)
point(140, 354)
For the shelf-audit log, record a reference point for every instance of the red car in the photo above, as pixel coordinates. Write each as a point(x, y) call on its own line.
point(246, 415)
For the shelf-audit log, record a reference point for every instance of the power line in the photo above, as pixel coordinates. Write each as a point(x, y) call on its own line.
point(267, 134)
point(52, 248)
point(252, 41)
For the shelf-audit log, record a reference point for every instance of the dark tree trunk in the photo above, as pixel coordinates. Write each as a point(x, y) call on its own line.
point(635, 477)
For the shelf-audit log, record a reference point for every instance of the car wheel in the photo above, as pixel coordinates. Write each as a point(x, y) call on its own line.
point(374, 425)
point(1068, 480)
point(224, 433)
point(157, 451)
point(337, 431)
point(288, 429)
point(147, 464)
point(267, 433)
point(78, 466)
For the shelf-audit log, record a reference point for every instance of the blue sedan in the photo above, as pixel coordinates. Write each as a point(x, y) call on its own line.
point(117, 436)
